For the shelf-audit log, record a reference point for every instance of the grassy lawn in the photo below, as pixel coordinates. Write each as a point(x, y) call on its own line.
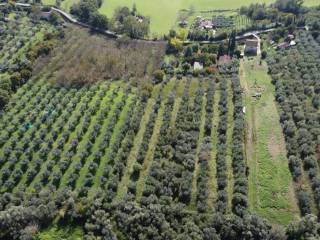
point(164, 14)
point(271, 192)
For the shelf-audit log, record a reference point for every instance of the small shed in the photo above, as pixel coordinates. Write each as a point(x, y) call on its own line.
point(293, 43)
point(283, 46)
point(197, 66)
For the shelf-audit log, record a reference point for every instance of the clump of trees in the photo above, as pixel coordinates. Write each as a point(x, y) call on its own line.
point(240, 189)
point(102, 59)
point(130, 23)
point(87, 12)
point(16, 68)
point(222, 200)
point(23, 215)
point(282, 11)
point(291, 6)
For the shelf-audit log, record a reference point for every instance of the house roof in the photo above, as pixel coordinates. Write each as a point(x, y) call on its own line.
point(283, 45)
point(224, 59)
point(291, 36)
point(206, 24)
point(252, 43)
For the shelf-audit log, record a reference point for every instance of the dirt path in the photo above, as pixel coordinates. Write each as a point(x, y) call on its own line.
point(250, 133)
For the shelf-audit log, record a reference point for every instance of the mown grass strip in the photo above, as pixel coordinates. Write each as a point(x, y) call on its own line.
point(196, 165)
point(177, 102)
point(212, 185)
point(123, 185)
point(265, 149)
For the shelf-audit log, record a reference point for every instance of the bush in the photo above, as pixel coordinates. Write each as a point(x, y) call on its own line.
point(158, 76)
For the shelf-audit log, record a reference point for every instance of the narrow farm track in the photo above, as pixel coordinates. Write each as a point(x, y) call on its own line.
point(153, 142)
point(212, 184)
point(199, 143)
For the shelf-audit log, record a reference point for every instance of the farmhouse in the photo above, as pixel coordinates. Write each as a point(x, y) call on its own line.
point(140, 19)
point(251, 47)
point(206, 24)
point(202, 23)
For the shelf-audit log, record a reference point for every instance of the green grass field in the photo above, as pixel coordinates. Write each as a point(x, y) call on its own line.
point(58, 233)
point(271, 192)
point(164, 14)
